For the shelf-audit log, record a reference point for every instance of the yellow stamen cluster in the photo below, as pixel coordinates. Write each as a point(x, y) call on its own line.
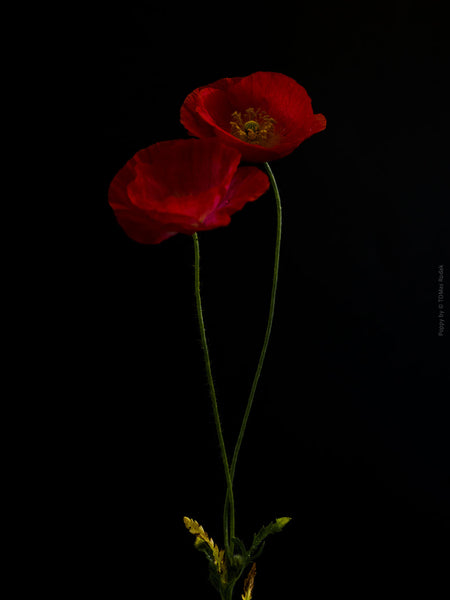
point(256, 127)
point(203, 538)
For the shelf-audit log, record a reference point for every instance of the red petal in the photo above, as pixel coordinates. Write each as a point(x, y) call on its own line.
point(189, 111)
point(207, 112)
point(247, 185)
point(172, 187)
point(318, 123)
point(141, 228)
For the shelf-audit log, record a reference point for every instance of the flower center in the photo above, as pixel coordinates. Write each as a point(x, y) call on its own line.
point(256, 127)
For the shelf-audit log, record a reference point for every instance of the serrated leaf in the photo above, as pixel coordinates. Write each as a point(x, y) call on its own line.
point(206, 545)
point(195, 528)
point(258, 551)
point(202, 546)
point(249, 583)
point(274, 527)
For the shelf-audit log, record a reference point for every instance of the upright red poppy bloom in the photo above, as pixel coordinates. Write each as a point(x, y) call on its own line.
point(265, 115)
point(182, 186)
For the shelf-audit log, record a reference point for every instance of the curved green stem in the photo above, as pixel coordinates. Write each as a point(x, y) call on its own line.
point(229, 507)
point(228, 533)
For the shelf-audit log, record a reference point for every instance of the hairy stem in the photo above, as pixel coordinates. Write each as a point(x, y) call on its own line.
point(228, 504)
point(228, 523)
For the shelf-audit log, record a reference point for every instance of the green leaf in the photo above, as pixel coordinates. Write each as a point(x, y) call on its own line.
point(258, 552)
point(205, 548)
point(240, 545)
point(215, 579)
point(282, 522)
point(274, 527)
point(214, 575)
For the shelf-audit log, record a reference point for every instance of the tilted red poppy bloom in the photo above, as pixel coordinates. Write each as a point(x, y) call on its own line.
point(264, 115)
point(182, 186)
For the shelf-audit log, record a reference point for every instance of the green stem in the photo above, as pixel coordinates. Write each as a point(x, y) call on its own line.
point(229, 507)
point(228, 594)
point(228, 534)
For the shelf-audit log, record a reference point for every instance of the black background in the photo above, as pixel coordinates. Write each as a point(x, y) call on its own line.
point(349, 432)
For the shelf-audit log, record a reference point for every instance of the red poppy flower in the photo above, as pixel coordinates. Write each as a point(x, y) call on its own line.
point(182, 186)
point(265, 115)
